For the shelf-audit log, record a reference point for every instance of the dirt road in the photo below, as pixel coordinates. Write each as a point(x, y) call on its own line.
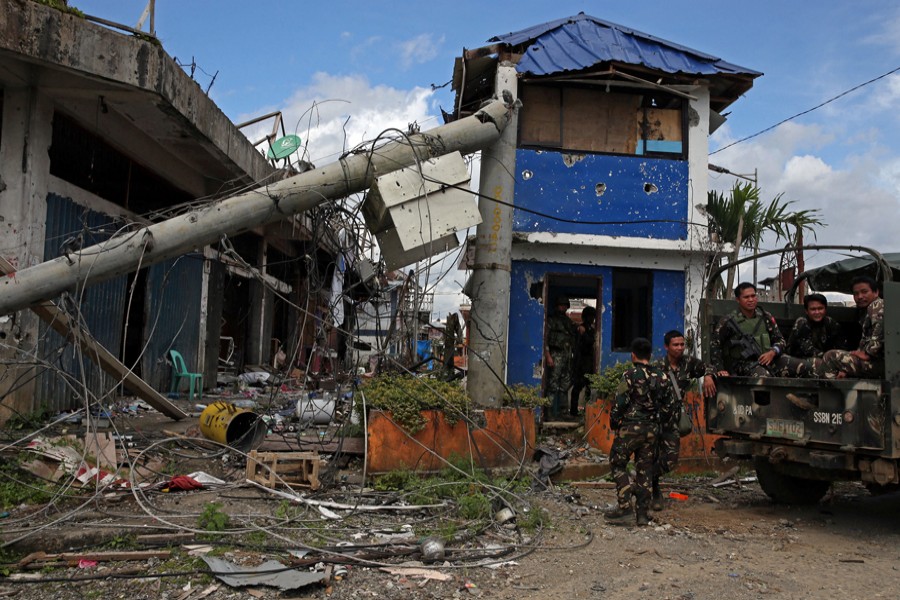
point(741, 547)
point(719, 544)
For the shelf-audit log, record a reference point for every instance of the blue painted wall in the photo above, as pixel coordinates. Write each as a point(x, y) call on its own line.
point(545, 183)
point(526, 323)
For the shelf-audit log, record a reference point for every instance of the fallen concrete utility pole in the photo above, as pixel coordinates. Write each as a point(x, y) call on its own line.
point(179, 235)
point(95, 351)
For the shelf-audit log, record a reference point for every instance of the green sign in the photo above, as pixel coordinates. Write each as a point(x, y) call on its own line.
point(284, 147)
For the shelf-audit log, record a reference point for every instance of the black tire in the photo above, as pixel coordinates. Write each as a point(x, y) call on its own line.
point(879, 490)
point(788, 489)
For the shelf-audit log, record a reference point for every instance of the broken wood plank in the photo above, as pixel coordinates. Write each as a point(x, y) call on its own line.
point(60, 322)
point(284, 468)
point(74, 557)
point(279, 443)
point(561, 425)
point(594, 485)
point(165, 539)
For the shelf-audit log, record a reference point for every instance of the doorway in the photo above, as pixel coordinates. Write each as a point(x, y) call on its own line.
point(582, 291)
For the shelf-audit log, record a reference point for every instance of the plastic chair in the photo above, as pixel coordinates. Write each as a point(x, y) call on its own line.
point(179, 371)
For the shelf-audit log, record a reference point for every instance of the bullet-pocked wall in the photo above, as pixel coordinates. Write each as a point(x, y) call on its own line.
point(601, 194)
point(526, 324)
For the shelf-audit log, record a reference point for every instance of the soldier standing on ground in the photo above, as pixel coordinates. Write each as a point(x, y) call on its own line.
point(868, 359)
point(680, 369)
point(584, 361)
point(561, 335)
point(747, 342)
point(645, 403)
point(816, 333)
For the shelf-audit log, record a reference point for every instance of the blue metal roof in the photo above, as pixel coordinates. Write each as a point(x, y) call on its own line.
point(579, 42)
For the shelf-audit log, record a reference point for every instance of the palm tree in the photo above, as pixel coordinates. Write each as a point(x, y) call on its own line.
point(742, 219)
point(801, 220)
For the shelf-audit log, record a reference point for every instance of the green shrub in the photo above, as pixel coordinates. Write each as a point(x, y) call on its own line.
point(525, 396)
point(406, 396)
point(606, 383)
point(212, 518)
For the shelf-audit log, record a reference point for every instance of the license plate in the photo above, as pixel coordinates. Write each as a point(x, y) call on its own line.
point(784, 428)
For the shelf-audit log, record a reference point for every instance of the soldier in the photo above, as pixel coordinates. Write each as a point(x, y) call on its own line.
point(747, 342)
point(645, 403)
point(816, 333)
point(584, 361)
point(561, 335)
point(868, 359)
point(680, 370)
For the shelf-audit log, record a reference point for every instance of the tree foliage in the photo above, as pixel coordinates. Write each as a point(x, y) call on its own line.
point(726, 210)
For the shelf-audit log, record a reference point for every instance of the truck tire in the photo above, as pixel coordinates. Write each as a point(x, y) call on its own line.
point(879, 490)
point(788, 489)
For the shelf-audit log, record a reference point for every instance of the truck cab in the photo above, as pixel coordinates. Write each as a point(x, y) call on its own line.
point(847, 429)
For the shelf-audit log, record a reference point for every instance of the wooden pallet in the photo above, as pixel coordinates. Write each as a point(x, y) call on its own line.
point(294, 469)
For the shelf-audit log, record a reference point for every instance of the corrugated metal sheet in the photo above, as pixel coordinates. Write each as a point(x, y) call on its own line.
point(172, 317)
point(579, 42)
point(70, 376)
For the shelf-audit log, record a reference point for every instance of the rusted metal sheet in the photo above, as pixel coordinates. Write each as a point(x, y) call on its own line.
point(697, 445)
point(506, 439)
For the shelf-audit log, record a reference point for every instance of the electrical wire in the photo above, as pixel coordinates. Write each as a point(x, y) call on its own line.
point(807, 111)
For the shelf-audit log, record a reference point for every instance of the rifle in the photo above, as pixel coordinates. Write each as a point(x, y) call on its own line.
point(745, 342)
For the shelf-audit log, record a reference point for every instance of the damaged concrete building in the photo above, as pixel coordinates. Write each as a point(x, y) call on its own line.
point(102, 130)
point(610, 180)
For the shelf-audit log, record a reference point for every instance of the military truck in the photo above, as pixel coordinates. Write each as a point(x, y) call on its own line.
point(852, 429)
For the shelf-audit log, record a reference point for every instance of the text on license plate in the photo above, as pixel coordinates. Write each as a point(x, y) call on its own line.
point(785, 428)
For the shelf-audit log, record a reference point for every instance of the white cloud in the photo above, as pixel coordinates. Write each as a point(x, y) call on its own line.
point(886, 93)
point(886, 31)
point(419, 50)
point(336, 113)
point(857, 193)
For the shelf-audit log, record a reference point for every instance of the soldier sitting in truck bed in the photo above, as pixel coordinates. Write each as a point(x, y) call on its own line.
point(867, 361)
point(747, 342)
point(816, 333)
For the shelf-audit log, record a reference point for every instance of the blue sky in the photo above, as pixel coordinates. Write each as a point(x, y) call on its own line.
point(377, 61)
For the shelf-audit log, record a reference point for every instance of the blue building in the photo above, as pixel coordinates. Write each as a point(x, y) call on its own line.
point(610, 177)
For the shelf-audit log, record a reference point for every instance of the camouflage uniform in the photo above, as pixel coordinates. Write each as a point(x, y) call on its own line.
point(666, 457)
point(583, 363)
point(561, 336)
point(646, 403)
point(737, 342)
point(809, 339)
point(872, 343)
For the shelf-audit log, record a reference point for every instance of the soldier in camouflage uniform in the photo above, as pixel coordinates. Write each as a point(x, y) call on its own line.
point(561, 336)
point(645, 404)
point(680, 369)
point(867, 361)
point(816, 333)
point(748, 343)
point(584, 361)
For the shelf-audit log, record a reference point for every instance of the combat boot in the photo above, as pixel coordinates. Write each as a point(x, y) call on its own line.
point(656, 501)
point(619, 515)
point(643, 519)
